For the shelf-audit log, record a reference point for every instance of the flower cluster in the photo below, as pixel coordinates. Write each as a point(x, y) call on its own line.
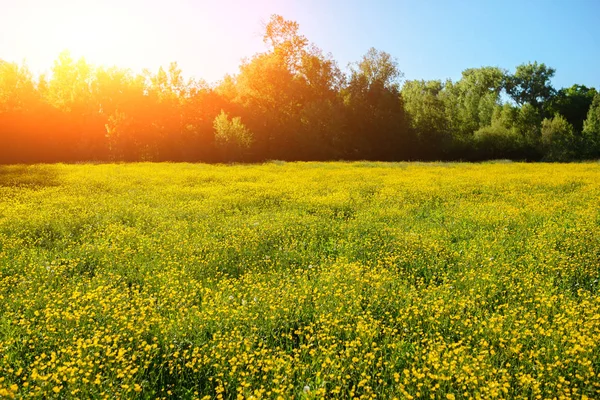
point(332, 280)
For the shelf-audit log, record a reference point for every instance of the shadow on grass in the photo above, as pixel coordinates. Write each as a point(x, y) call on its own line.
point(31, 176)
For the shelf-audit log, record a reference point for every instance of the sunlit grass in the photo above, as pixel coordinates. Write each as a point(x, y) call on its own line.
point(303, 280)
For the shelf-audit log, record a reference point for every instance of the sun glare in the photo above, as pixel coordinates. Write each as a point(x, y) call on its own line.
point(102, 32)
point(107, 37)
point(96, 34)
point(207, 38)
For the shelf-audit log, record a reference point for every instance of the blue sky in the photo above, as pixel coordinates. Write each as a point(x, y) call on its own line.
point(435, 39)
point(431, 39)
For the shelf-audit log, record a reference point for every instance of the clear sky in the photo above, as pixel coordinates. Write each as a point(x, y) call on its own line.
point(431, 39)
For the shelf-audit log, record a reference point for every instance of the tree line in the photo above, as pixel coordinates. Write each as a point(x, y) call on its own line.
point(292, 102)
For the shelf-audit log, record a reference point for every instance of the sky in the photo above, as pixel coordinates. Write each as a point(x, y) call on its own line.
point(431, 39)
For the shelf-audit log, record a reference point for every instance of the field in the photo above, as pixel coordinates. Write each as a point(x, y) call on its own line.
point(300, 280)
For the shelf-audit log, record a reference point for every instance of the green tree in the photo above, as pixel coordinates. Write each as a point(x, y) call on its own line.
point(572, 103)
point(377, 69)
point(231, 135)
point(321, 134)
point(284, 93)
point(514, 132)
point(530, 84)
point(424, 104)
point(497, 141)
point(470, 102)
point(505, 115)
point(528, 124)
point(267, 90)
point(558, 141)
point(591, 130)
point(376, 117)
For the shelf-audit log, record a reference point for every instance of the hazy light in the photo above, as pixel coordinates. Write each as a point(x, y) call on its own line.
point(207, 38)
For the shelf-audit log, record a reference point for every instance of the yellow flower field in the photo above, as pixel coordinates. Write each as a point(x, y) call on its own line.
point(300, 280)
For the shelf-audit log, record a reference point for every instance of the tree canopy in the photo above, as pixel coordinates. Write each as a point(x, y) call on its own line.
point(293, 102)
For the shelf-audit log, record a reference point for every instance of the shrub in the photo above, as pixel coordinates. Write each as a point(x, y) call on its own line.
point(558, 140)
point(591, 130)
point(497, 141)
point(231, 134)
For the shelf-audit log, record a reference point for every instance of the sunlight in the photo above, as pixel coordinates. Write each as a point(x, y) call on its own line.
point(94, 31)
point(208, 39)
point(127, 34)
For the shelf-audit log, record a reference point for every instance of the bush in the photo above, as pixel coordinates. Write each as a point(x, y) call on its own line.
point(591, 130)
point(497, 141)
point(231, 135)
point(558, 140)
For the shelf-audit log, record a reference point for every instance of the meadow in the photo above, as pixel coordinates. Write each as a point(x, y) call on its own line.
point(300, 280)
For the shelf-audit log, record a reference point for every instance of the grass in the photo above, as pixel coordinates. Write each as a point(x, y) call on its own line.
point(300, 280)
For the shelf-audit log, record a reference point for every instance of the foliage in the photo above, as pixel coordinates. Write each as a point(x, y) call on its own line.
point(304, 280)
point(231, 133)
point(298, 104)
point(591, 129)
point(377, 123)
point(530, 84)
point(528, 126)
point(17, 91)
point(470, 102)
point(572, 103)
point(496, 141)
point(557, 138)
point(427, 115)
point(377, 68)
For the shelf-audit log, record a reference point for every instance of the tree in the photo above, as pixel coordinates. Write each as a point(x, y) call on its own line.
point(528, 124)
point(524, 125)
point(70, 90)
point(284, 92)
point(484, 80)
point(376, 119)
point(296, 104)
point(282, 37)
point(114, 88)
point(70, 85)
point(17, 89)
point(497, 141)
point(505, 115)
point(20, 115)
point(530, 84)
point(377, 69)
point(591, 129)
point(427, 116)
point(127, 114)
point(231, 135)
point(470, 102)
point(168, 94)
point(269, 91)
point(270, 96)
point(572, 103)
point(558, 141)
point(321, 133)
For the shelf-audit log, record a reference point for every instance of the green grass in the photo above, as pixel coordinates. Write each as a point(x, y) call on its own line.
point(300, 280)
